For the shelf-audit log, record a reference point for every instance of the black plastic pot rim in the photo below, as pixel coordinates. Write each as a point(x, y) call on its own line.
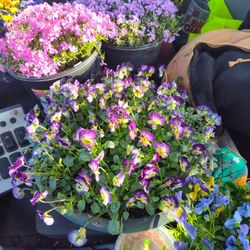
point(142, 47)
point(57, 75)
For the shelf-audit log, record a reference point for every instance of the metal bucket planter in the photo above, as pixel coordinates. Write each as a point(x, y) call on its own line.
point(130, 226)
point(147, 54)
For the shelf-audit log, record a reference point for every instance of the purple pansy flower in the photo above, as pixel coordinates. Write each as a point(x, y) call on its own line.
point(132, 130)
point(140, 195)
point(162, 149)
point(149, 171)
point(17, 165)
point(65, 143)
point(119, 179)
point(37, 196)
point(146, 138)
point(83, 182)
point(203, 110)
point(188, 131)
point(47, 219)
point(209, 133)
point(176, 125)
point(155, 119)
point(78, 237)
point(113, 124)
point(131, 202)
point(95, 163)
point(21, 176)
point(198, 149)
point(86, 138)
point(155, 158)
point(184, 163)
point(106, 196)
point(168, 203)
point(216, 119)
point(18, 193)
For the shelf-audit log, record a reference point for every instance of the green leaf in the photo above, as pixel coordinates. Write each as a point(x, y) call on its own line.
point(68, 161)
point(95, 208)
point(116, 159)
point(81, 205)
point(109, 144)
point(114, 227)
point(221, 238)
point(150, 209)
point(115, 206)
point(125, 215)
point(140, 205)
point(60, 196)
point(84, 156)
point(52, 184)
point(155, 199)
point(70, 211)
point(218, 228)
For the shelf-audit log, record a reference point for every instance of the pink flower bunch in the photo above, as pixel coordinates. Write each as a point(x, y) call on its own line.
point(43, 40)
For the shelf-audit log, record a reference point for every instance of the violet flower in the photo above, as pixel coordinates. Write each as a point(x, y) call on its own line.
point(141, 196)
point(146, 138)
point(162, 149)
point(38, 196)
point(78, 237)
point(17, 165)
point(149, 171)
point(176, 124)
point(184, 163)
point(83, 180)
point(47, 219)
point(119, 179)
point(132, 130)
point(18, 193)
point(155, 119)
point(106, 196)
point(86, 138)
point(198, 149)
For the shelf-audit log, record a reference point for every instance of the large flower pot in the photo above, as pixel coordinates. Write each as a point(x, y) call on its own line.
point(130, 226)
point(147, 54)
point(80, 71)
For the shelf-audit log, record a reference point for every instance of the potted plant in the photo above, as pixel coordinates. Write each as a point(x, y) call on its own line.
point(45, 42)
point(142, 26)
point(155, 239)
point(221, 220)
point(117, 155)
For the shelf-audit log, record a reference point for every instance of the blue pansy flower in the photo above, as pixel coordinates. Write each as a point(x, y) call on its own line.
point(231, 243)
point(235, 222)
point(243, 232)
point(178, 245)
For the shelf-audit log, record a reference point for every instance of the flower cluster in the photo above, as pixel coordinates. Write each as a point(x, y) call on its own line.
point(240, 223)
point(220, 219)
point(43, 40)
point(139, 22)
point(8, 8)
point(117, 146)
